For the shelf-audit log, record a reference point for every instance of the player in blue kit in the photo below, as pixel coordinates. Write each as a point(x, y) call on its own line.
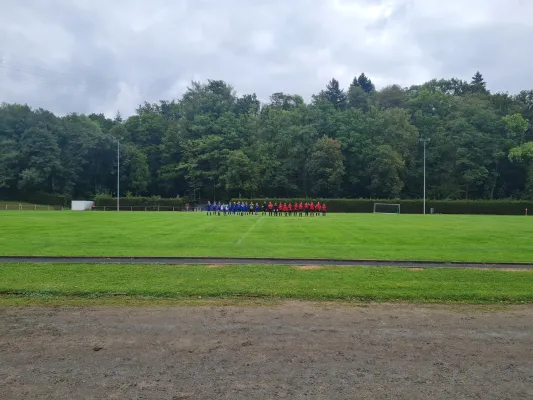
point(208, 208)
point(256, 208)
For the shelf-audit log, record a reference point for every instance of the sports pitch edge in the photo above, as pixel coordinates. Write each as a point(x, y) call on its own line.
point(259, 260)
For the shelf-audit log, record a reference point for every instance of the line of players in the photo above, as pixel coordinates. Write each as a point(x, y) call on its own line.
point(272, 209)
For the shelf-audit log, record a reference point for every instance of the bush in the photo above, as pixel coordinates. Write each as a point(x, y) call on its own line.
point(109, 201)
point(496, 207)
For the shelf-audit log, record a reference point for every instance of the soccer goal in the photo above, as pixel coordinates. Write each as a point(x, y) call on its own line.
point(384, 208)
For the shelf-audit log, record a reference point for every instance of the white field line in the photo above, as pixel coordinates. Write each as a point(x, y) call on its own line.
point(250, 229)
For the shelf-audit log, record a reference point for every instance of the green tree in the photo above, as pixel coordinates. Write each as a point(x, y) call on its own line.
point(358, 98)
point(211, 140)
point(334, 94)
point(286, 101)
point(9, 166)
point(137, 171)
point(365, 83)
point(247, 104)
point(385, 169)
point(478, 85)
point(523, 155)
point(326, 167)
point(392, 96)
point(515, 126)
point(39, 158)
point(239, 174)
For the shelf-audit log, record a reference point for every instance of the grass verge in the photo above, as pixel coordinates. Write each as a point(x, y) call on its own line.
point(82, 284)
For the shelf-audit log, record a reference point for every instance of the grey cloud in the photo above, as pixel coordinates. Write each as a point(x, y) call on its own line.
point(104, 56)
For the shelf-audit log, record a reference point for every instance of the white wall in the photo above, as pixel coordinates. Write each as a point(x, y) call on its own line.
point(81, 205)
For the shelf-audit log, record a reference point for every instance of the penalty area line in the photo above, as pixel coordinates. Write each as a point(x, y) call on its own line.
point(250, 229)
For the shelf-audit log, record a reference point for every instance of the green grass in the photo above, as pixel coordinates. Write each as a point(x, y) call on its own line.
point(362, 236)
point(64, 281)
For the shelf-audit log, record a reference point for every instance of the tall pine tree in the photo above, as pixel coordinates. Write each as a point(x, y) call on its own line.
point(335, 94)
point(355, 82)
point(478, 84)
point(365, 83)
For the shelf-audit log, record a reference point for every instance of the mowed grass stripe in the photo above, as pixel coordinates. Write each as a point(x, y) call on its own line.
point(277, 282)
point(355, 236)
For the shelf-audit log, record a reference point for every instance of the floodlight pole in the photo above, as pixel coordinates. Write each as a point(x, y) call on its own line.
point(424, 141)
point(118, 175)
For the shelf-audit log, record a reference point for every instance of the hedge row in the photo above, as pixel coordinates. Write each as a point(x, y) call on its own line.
point(106, 200)
point(496, 207)
point(35, 198)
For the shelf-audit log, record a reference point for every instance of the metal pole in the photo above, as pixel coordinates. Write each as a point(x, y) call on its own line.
point(424, 177)
point(424, 141)
point(118, 175)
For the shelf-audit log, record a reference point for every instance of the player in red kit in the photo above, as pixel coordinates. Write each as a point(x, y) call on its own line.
point(324, 209)
point(285, 208)
point(306, 208)
point(290, 209)
point(317, 208)
point(312, 208)
point(300, 208)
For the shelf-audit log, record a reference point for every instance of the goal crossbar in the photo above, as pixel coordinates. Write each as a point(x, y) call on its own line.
point(386, 208)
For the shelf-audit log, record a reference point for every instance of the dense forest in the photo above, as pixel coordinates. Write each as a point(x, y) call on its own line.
point(355, 142)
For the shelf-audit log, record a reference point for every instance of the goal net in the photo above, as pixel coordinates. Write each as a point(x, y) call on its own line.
point(384, 208)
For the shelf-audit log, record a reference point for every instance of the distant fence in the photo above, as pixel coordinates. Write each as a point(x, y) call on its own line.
point(147, 208)
point(108, 201)
point(29, 207)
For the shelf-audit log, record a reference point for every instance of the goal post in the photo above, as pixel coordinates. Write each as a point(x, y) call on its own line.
point(386, 208)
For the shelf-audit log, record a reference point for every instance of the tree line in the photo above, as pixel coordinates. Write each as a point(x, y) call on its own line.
point(357, 142)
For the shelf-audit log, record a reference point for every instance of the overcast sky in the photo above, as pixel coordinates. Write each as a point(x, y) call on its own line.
point(104, 56)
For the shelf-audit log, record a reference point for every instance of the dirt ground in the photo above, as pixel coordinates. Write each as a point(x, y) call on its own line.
point(293, 350)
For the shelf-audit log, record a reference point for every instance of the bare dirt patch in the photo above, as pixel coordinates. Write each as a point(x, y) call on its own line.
point(215, 265)
point(289, 350)
point(308, 267)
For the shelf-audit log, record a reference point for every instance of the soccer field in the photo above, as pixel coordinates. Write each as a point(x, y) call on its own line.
point(356, 236)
